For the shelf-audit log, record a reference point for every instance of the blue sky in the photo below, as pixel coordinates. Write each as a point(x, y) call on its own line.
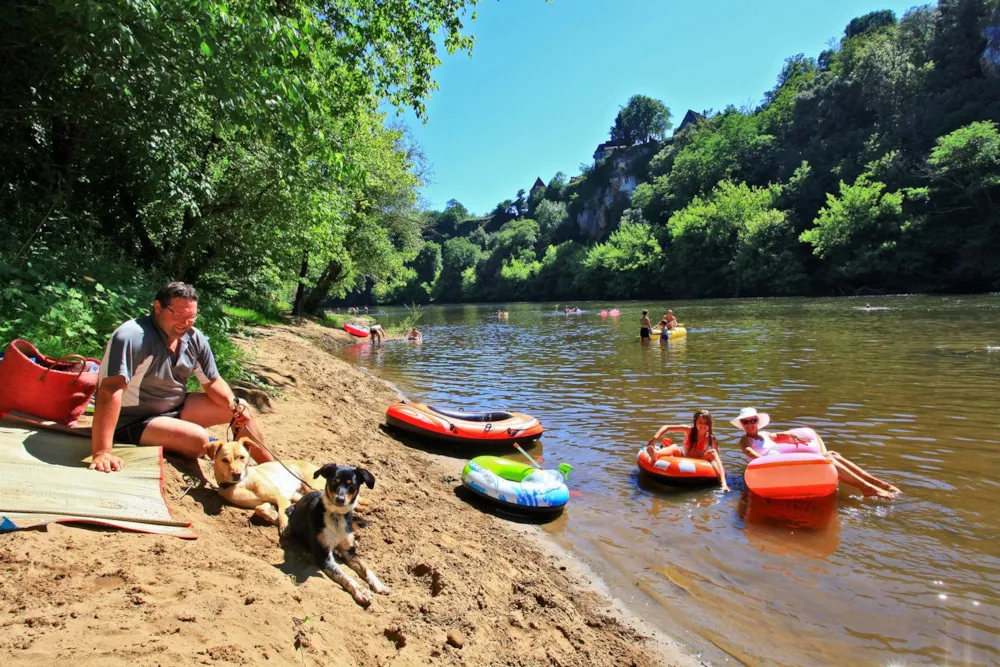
point(546, 79)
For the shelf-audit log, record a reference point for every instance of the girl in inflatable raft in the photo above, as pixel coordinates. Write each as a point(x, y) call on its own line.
point(699, 443)
point(756, 443)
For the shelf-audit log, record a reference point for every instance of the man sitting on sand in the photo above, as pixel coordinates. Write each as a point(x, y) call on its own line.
point(142, 398)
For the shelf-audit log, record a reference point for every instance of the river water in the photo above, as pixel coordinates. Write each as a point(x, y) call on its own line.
point(907, 387)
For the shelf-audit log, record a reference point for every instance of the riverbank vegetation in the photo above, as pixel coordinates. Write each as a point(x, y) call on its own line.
point(241, 147)
point(871, 167)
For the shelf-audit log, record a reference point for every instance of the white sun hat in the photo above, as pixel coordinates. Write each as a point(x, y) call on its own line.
point(763, 419)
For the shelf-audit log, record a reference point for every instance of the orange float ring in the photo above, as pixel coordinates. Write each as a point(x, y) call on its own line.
point(678, 470)
point(470, 427)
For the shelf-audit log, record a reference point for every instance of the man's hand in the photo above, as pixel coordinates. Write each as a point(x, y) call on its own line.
point(241, 413)
point(106, 462)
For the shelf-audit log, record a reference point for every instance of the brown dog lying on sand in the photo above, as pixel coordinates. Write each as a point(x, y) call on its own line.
point(269, 488)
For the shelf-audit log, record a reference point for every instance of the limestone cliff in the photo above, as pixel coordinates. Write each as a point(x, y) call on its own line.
point(603, 193)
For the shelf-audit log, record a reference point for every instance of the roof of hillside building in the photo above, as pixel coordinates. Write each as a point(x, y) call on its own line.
point(689, 118)
point(608, 144)
point(539, 183)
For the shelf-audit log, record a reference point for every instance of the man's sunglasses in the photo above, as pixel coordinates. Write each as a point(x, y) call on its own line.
point(178, 318)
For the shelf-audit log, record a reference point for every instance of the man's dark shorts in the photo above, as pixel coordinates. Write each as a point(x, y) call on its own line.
point(131, 434)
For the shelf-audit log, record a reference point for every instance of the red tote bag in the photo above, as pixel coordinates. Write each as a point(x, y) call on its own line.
point(53, 389)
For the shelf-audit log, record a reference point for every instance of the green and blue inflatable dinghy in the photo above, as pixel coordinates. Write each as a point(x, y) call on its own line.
point(517, 486)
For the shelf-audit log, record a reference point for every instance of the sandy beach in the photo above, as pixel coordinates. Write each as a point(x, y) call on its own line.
point(468, 588)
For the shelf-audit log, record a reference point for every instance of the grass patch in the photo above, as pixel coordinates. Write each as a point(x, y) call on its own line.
point(413, 314)
point(251, 317)
point(337, 321)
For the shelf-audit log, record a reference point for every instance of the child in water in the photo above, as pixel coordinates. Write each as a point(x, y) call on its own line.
point(699, 443)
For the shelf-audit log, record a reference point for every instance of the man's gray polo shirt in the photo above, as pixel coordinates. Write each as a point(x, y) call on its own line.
point(157, 382)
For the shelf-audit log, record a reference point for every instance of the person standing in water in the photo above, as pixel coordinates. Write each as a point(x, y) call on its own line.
point(756, 443)
point(644, 326)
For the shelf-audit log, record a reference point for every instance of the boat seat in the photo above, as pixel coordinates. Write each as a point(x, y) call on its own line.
point(474, 416)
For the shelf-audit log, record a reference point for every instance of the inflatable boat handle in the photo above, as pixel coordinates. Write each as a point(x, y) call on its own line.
point(527, 456)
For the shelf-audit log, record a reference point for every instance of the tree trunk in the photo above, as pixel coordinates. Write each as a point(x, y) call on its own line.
point(319, 293)
point(300, 293)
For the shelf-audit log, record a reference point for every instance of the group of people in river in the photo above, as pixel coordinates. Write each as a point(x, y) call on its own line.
point(699, 442)
point(667, 323)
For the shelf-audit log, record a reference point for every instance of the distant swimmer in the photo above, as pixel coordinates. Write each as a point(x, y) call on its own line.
point(414, 335)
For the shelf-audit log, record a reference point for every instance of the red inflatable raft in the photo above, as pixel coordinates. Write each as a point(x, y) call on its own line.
point(678, 470)
point(355, 330)
point(793, 470)
point(468, 427)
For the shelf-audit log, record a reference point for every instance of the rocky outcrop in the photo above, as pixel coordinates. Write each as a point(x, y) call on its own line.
point(606, 191)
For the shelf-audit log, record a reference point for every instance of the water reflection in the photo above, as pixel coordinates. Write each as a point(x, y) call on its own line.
point(791, 527)
point(913, 405)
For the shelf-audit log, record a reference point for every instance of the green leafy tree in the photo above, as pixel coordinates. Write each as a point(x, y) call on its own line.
point(555, 190)
point(733, 242)
point(550, 216)
point(730, 148)
point(640, 120)
point(857, 235)
point(562, 274)
point(872, 21)
point(964, 168)
point(428, 262)
point(517, 275)
point(521, 203)
point(510, 241)
point(459, 258)
point(620, 267)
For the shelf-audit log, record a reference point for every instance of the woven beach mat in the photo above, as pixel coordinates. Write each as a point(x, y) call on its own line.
point(44, 479)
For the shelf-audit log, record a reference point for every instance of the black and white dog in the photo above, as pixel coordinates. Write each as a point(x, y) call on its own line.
point(322, 522)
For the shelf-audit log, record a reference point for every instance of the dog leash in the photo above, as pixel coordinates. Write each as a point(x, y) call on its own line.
point(241, 408)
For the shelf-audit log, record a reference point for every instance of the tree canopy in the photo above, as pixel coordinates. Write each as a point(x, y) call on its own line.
point(640, 120)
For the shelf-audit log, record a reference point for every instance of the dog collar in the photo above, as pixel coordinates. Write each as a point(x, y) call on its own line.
point(227, 485)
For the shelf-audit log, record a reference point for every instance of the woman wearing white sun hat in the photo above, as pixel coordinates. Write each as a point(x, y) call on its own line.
point(756, 443)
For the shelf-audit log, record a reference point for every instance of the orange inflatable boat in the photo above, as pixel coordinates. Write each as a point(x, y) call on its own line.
point(469, 427)
point(678, 470)
point(793, 470)
point(357, 330)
